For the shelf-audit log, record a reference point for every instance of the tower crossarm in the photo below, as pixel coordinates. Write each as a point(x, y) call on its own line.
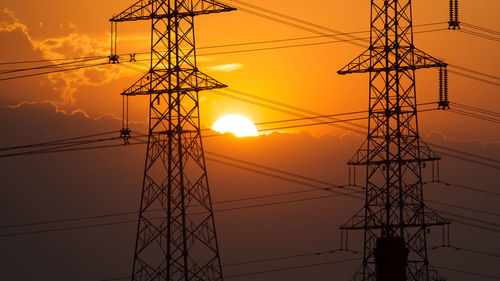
point(374, 60)
point(369, 157)
point(360, 221)
point(147, 9)
point(155, 83)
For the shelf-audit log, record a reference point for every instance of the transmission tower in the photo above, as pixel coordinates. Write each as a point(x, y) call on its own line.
point(176, 237)
point(394, 218)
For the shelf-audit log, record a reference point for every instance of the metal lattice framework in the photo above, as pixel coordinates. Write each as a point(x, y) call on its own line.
point(176, 237)
point(393, 151)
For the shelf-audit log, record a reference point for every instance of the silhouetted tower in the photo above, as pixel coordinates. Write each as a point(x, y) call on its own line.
point(176, 237)
point(394, 218)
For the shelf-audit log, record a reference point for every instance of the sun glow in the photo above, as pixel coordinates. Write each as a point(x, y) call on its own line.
point(236, 124)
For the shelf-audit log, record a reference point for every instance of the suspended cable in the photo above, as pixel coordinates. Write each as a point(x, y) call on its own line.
point(474, 71)
point(484, 29)
point(468, 272)
point(315, 254)
point(465, 153)
point(52, 60)
point(480, 35)
point(262, 272)
point(291, 268)
point(469, 188)
point(50, 72)
point(122, 222)
point(440, 152)
point(227, 201)
point(467, 250)
point(66, 64)
point(473, 77)
point(464, 208)
point(475, 115)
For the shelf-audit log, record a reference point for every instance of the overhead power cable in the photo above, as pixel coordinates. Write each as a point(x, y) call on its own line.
point(484, 253)
point(53, 71)
point(234, 200)
point(291, 268)
point(468, 272)
point(235, 276)
point(288, 257)
point(476, 109)
point(129, 221)
point(464, 208)
point(469, 188)
point(452, 155)
point(480, 35)
point(475, 115)
point(484, 29)
point(496, 161)
point(474, 71)
point(60, 65)
point(52, 60)
point(474, 78)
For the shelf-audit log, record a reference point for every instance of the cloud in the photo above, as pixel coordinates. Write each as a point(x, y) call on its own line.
point(226, 67)
point(9, 23)
point(72, 45)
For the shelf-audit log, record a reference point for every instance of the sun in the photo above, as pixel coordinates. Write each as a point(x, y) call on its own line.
point(236, 124)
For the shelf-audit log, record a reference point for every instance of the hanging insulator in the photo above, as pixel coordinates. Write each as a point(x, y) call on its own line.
point(440, 86)
point(443, 102)
point(113, 57)
point(457, 23)
point(125, 131)
point(446, 101)
point(450, 23)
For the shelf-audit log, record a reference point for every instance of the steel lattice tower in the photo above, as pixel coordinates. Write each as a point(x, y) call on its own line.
point(176, 237)
point(394, 218)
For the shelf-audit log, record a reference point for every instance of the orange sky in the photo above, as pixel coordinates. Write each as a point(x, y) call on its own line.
point(42, 187)
point(304, 76)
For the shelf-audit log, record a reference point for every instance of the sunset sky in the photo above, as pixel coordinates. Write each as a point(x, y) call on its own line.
point(60, 105)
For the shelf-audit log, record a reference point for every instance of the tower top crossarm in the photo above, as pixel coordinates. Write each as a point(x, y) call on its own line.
point(391, 42)
point(158, 9)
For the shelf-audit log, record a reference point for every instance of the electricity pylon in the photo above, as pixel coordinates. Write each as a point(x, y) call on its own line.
point(394, 218)
point(176, 237)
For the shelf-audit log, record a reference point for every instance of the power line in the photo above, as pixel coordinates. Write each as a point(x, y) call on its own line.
point(59, 141)
point(47, 222)
point(320, 253)
point(276, 170)
point(488, 30)
point(474, 115)
point(50, 72)
point(263, 272)
point(468, 272)
point(467, 250)
point(463, 208)
point(476, 220)
point(219, 46)
point(290, 268)
point(467, 159)
point(3, 72)
point(95, 225)
point(229, 209)
point(293, 24)
point(480, 35)
point(52, 60)
point(474, 78)
point(474, 71)
point(469, 188)
point(465, 153)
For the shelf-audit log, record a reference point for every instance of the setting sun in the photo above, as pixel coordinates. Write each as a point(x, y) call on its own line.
point(236, 124)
